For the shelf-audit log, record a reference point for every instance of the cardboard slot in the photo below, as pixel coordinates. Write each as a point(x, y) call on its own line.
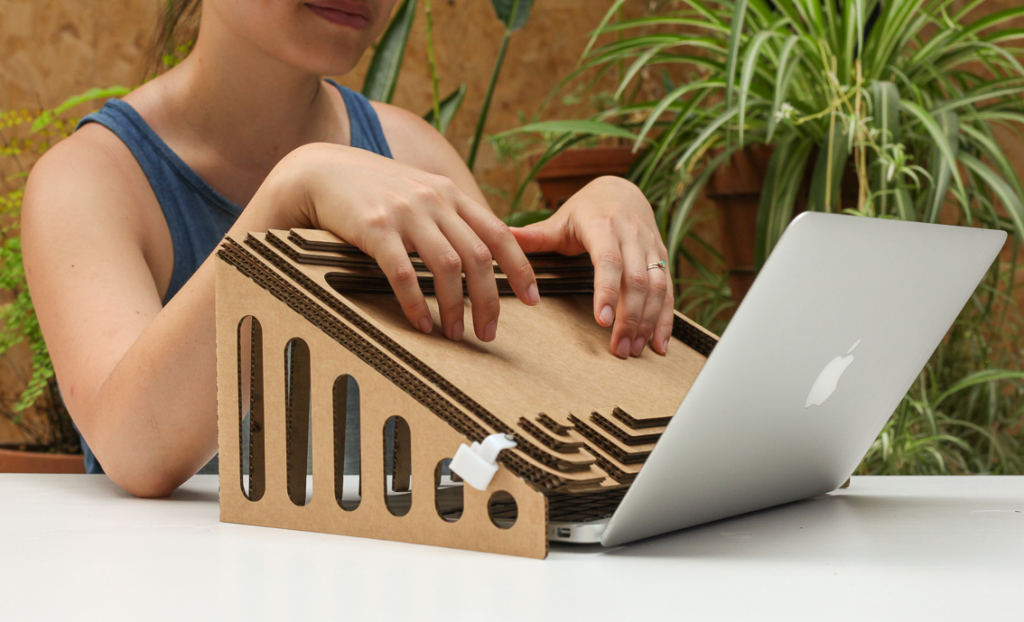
point(398, 480)
point(375, 282)
point(620, 453)
point(545, 438)
point(449, 500)
point(286, 243)
point(297, 412)
point(623, 434)
point(345, 391)
point(315, 241)
point(502, 510)
point(250, 411)
point(640, 424)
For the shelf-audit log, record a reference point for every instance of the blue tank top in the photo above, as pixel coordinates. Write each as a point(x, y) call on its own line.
point(197, 215)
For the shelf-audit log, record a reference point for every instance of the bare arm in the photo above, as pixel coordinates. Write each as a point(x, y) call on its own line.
point(140, 379)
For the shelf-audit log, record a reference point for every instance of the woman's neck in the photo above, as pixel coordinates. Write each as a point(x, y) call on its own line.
point(232, 111)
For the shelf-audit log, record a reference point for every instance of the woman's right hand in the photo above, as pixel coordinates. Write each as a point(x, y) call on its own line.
point(389, 209)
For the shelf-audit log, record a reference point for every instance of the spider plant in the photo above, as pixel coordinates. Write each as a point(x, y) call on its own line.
point(905, 96)
point(910, 104)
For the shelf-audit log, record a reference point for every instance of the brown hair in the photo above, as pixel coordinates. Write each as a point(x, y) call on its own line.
point(173, 37)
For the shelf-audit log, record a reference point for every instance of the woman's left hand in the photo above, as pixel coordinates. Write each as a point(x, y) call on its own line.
point(611, 219)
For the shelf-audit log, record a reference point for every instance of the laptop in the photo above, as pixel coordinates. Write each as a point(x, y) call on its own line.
point(835, 329)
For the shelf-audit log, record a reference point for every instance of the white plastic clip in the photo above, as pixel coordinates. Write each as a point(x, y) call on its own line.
point(478, 464)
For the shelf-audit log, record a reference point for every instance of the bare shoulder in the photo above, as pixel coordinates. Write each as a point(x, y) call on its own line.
point(88, 197)
point(90, 175)
point(414, 141)
point(417, 143)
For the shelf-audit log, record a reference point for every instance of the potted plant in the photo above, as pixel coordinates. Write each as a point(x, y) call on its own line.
point(905, 116)
point(902, 99)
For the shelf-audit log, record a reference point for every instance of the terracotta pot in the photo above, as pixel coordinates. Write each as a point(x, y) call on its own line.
point(736, 188)
point(572, 169)
point(16, 461)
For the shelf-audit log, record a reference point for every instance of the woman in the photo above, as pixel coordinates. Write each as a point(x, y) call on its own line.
point(119, 221)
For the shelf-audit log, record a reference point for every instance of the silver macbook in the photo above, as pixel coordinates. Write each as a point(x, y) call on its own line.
point(839, 323)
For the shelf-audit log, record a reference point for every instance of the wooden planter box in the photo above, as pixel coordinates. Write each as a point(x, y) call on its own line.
point(569, 171)
point(17, 461)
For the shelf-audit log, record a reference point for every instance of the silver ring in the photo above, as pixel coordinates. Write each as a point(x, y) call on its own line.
point(660, 266)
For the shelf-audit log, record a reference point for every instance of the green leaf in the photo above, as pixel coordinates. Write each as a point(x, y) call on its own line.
point(592, 128)
point(978, 377)
point(781, 184)
point(382, 75)
point(787, 66)
point(601, 27)
point(885, 117)
point(676, 230)
point(49, 116)
point(513, 13)
point(1011, 201)
point(671, 98)
point(522, 219)
point(448, 107)
point(828, 171)
point(940, 168)
point(747, 75)
point(939, 138)
point(705, 134)
point(733, 54)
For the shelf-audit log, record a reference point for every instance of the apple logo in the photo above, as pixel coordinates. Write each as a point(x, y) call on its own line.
point(828, 379)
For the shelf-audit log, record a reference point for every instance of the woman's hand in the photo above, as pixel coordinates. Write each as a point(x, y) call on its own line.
point(611, 219)
point(389, 209)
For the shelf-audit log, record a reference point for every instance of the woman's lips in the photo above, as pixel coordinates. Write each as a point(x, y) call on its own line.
point(340, 17)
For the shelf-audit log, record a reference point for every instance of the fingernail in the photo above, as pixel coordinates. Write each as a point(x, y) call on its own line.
point(664, 346)
point(532, 294)
point(623, 350)
point(426, 324)
point(638, 346)
point(491, 330)
point(607, 315)
point(458, 328)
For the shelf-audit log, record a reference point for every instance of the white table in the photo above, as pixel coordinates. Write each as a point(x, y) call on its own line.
point(75, 547)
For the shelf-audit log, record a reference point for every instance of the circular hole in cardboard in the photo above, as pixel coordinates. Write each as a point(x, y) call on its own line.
point(503, 510)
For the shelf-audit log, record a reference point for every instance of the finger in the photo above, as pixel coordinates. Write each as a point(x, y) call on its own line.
point(393, 259)
point(657, 290)
point(663, 331)
point(633, 295)
point(445, 263)
point(479, 268)
point(546, 236)
point(607, 259)
point(504, 247)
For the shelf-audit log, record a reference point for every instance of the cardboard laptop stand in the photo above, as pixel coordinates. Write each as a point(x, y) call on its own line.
point(301, 314)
